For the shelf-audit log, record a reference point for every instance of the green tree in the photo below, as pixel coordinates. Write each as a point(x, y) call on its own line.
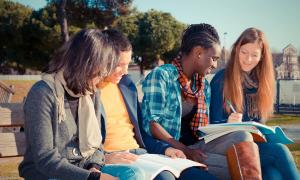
point(62, 18)
point(129, 25)
point(28, 38)
point(13, 16)
point(103, 13)
point(83, 13)
point(42, 37)
point(154, 34)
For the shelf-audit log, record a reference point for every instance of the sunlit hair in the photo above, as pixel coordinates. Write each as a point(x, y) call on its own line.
point(264, 72)
point(121, 43)
point(88, 54)
point(119, 39)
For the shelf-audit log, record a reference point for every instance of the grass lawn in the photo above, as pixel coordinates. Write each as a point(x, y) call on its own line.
point(288, 120)
point(9, 168)
point(279, 119)
point(21, 89)
point(295, 149)
point(296, 155)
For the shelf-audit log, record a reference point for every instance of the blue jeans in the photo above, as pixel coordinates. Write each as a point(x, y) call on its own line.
point(123, 172)
point(189, 173)
point(275, 159)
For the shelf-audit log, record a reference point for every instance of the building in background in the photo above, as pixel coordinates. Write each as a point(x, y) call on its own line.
point(288, 66)
point(287, 63)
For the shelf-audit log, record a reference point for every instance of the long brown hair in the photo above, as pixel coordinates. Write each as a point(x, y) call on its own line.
point(264, 72)
point(88, 54)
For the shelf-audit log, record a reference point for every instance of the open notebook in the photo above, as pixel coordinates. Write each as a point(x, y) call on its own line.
point(272, 134)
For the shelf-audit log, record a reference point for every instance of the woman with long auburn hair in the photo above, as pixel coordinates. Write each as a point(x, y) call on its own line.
point(247, 85)
point(262, 73)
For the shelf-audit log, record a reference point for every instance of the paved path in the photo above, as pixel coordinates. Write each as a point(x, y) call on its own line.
point(292, 131)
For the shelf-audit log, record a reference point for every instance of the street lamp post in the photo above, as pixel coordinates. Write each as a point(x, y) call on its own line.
point(225, 33)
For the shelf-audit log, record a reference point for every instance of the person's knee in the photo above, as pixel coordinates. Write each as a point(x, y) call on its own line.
point(124, 172)
point(193, 172)
point(280, 147)
point(165, 175)
point(241, 136)
point(130, 173)
point(282, 151)
point(133, 173)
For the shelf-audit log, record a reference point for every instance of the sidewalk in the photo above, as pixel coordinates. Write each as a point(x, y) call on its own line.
point(292, 131)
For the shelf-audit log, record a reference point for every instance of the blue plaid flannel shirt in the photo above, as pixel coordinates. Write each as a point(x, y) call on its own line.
point(162, 99)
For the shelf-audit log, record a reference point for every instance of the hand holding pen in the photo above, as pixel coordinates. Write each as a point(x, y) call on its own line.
point(230, 106)
point(234, 116)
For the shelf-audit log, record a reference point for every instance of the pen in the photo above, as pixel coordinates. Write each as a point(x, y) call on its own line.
point(231, 107)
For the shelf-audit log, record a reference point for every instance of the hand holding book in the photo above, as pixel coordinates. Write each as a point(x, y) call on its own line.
point(195, 154)
point(174, 153)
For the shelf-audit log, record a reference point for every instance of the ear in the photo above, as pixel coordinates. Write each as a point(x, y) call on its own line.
point(198, 51)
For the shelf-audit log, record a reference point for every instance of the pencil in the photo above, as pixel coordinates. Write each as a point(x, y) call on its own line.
point(231, 107)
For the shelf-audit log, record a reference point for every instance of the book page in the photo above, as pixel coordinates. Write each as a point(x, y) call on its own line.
point(150, 169)
point(177, 164)
point(211, 137)
point(279, 137)
point(153, 164)
point(263, 128)
point(273, 134)
point(212, 132)
point(219, 128)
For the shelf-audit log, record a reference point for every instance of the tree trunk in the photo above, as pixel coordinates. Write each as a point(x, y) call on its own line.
point(62, 18)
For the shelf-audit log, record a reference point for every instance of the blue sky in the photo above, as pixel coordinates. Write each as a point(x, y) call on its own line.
point(279, 19)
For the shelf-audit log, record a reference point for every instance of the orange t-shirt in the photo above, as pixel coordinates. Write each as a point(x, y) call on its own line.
point(119, 129)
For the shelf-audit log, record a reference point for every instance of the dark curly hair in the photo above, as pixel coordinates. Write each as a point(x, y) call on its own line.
point(203, 35)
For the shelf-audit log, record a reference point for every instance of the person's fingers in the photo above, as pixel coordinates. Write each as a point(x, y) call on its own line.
point(126, 155)
point(234, 118)
point(127, 161)
point(94, 170)
point(130, 156)
point(197, 159)
point(180, 154)
point(236, 115)
point(105, 176)
point(173, 155)
point(120, 157)
point(169, 151)
point(122, 160)
point(201, 153)
point(199, 156)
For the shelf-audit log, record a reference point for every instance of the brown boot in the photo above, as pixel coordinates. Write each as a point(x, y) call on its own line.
point(243, 161)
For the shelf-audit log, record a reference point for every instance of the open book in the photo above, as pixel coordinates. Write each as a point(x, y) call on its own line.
point(273, 134)
point(153, 164)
